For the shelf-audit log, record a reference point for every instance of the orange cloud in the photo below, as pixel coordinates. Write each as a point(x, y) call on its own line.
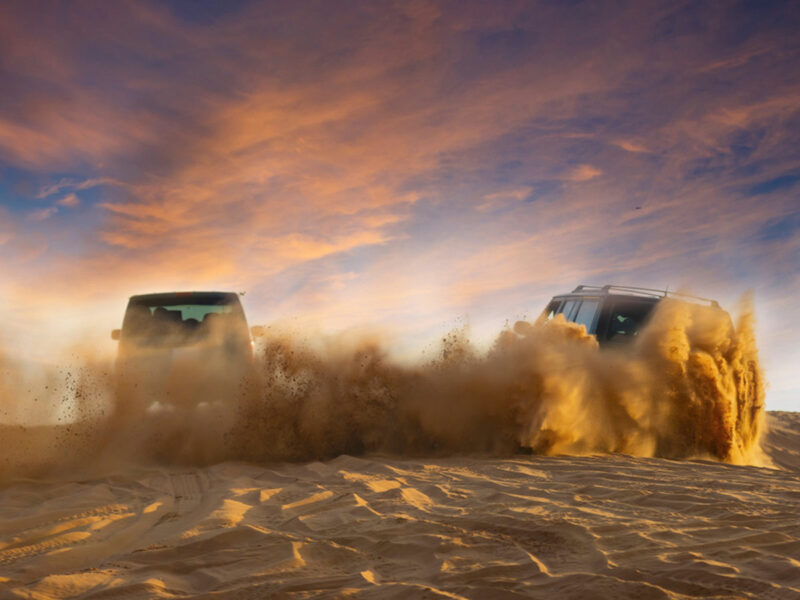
point(584, 173)
point(300, 154)
point(70, 200)
point(631, 146)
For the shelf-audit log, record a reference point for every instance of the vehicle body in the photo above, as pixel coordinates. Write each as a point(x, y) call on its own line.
point(613, 314)
point(182, 347)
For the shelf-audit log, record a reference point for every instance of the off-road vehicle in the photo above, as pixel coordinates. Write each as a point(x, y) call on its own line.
point(614, 314)
point(182, 348)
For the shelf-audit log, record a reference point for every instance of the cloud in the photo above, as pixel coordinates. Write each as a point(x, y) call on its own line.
point(66, 184)
point(42, 214)
point(71, 200)
point(501, 199)
point(7, 228)
point(584, 173)
point(501, 156)
point(630, 146)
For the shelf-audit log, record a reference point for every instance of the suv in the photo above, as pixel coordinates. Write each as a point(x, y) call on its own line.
point(614, 314)
point(182, 345)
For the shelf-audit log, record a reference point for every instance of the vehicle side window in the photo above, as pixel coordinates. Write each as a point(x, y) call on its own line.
point(552, 309)
point(586, 314)
point(627, 318)
point(568, 308)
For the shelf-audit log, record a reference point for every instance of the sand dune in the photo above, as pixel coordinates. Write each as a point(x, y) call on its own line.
point(384, 527)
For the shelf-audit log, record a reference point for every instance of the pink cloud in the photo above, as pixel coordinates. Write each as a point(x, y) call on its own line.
point(42, 214)
point(631, 146)
point(584, 173)
point(387, 184)
point(70, 200)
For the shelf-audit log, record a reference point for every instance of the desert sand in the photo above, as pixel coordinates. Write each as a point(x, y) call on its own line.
point(377, 526)
point(337, 472)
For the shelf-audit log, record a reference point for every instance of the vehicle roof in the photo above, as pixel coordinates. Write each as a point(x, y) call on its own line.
point(187, 295)
point(647, 294)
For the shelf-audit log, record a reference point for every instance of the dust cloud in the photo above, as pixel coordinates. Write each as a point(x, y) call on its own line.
point(689, 386)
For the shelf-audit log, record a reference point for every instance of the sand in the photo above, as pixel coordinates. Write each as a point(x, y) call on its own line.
point(562, 527)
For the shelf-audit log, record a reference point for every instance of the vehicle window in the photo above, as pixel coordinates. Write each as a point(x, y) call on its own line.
point(568, 308)
point(193, 311)
point(172, 321)
point(627, 318)
point(586, 313)
point(552, 309)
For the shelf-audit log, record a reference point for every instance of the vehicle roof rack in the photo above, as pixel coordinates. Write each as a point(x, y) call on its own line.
point(640, 291)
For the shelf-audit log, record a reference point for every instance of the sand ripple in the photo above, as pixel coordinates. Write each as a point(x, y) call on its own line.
point(375, 527)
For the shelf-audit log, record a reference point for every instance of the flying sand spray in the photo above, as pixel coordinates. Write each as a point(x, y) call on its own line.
point(690, 386)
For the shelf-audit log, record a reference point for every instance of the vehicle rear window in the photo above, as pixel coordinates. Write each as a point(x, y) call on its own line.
point(196, 312)
point(180, 319)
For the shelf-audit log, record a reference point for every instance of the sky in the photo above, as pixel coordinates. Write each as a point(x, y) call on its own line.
point(406, 166)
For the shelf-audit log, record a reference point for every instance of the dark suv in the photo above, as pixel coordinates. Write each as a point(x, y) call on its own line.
point(614, 314)
point(179, 319)
point(182, 347)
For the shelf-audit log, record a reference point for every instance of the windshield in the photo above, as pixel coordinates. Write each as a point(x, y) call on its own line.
point(181, 319)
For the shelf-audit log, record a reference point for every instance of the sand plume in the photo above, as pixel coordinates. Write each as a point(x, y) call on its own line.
point(689, 386)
